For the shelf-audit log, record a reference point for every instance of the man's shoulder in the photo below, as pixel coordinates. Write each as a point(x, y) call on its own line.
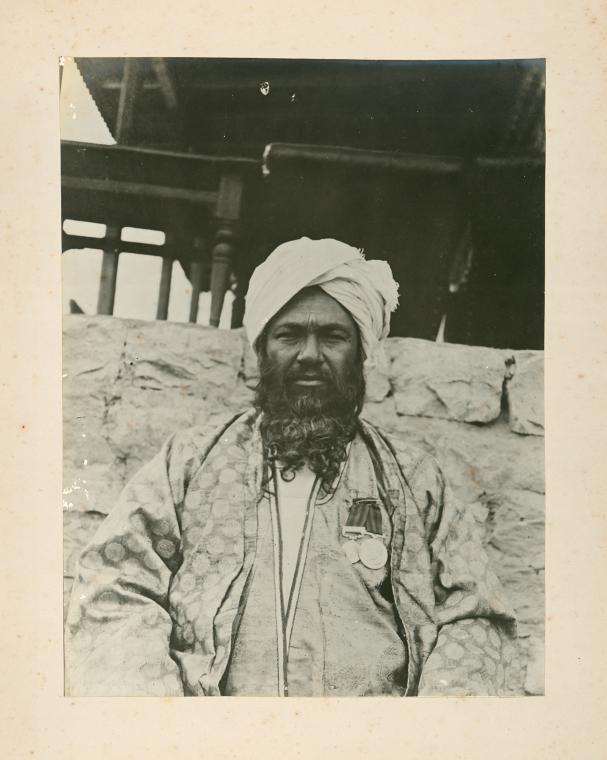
point(413, 460)
point(203, 437)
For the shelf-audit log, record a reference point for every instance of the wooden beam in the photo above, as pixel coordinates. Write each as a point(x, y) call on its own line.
point(139, 188)
point(277, 155)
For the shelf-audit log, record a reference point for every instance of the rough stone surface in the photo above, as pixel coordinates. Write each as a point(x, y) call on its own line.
point(447, 381)
point(129, 384)
point(526, 394)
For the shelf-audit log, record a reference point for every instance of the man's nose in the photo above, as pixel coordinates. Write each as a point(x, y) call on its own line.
point(310, 351)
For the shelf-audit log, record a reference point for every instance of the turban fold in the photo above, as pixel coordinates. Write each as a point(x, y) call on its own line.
point(366, 289)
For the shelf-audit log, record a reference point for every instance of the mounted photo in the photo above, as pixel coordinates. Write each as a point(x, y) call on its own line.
point(303, 377)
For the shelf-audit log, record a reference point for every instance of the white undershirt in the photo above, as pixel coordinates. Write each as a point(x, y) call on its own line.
point(292, 500)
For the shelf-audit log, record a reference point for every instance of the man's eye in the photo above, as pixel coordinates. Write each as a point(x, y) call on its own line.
point(334, 337)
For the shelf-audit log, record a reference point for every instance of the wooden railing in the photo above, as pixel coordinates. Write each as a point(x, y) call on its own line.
point(195, 200)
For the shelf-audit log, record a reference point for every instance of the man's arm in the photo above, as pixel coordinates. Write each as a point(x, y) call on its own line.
point(477, 629)
point(118, 627)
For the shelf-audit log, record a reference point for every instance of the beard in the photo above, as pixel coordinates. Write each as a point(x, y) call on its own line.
point(309, 424)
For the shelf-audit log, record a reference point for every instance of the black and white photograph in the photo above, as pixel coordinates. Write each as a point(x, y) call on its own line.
point(303, 376)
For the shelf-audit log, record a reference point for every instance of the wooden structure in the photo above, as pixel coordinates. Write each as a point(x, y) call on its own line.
point(436, 167)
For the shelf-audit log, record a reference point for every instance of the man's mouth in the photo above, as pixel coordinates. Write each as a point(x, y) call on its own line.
point(309, 381)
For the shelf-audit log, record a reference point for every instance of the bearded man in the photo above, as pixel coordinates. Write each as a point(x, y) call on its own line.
point(297, 550)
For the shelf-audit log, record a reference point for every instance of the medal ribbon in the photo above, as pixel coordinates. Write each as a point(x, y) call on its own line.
point(365, 513)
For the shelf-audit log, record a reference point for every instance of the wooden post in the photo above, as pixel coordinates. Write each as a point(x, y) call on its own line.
point(196, 272)
point(222, 262)
point(109, 271)
point(164, 291)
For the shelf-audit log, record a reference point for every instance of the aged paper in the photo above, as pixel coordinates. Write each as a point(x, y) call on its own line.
point(37, 721)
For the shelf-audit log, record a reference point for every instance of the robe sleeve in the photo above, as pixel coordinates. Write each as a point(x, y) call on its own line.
point(477, 629)
point(118, 628)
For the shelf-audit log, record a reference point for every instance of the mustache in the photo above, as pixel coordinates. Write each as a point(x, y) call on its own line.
point(303, 374)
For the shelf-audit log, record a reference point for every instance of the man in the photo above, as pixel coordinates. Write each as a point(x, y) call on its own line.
point(297, 550)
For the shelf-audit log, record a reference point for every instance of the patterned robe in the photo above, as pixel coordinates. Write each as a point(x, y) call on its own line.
point(161, 592)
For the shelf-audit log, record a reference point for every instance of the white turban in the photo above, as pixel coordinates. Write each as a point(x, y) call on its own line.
point(366, 289)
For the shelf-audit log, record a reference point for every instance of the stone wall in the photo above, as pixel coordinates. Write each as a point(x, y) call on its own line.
point(129, 384)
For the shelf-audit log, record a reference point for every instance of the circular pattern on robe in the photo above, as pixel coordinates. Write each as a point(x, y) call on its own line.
point(221, 508)
point(434, 662)
point(454, 651)
point(131, 566)
point(114, 551)
point(478, 634)
point(200, 564)
point(219, 462)
point(205, 479)
point(161, 527)
point(166, 548)
point(210, 583)
point(92, 559)
point(227, 475)
point(235, 451)
point(458, 633)
point(193, 535)
point(215, 545)
point(231, 528)
point(474, 663)
point(490, 666)
point(133, 543)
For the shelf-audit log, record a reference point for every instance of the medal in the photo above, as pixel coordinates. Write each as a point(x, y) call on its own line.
point(351, 550)
point(373, 553)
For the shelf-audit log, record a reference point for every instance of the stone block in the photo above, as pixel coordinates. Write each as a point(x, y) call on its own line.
point(526, 394)
point(447, 381)
point(188, 359)
point(477, 459)
point(92, 353)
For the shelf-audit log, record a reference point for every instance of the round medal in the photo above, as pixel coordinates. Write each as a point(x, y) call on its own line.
point(351, 551)
point(373, 554)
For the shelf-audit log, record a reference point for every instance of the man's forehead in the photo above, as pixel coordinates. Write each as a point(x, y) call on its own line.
point(313, 305)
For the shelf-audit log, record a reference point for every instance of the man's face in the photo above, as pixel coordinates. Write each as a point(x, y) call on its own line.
point(313, 344)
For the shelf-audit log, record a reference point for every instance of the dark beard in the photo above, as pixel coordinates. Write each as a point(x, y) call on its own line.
point(313, 425)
